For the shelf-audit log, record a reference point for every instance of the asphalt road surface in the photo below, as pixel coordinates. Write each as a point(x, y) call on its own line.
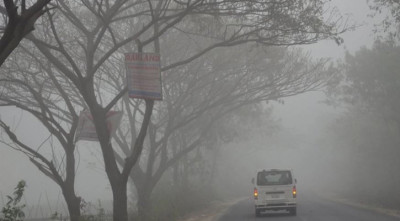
point(309, 208)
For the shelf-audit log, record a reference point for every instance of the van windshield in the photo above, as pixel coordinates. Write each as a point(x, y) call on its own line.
point(281, 177)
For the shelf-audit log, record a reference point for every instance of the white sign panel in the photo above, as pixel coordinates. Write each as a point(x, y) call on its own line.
point(143, 75)
point(86, 129)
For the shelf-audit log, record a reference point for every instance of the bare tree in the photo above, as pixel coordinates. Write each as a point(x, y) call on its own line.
point(84, 38)
point(16, 26)
point(32, 84)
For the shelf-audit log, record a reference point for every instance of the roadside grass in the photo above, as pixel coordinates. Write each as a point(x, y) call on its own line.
point(174, 203)
point(193, 203)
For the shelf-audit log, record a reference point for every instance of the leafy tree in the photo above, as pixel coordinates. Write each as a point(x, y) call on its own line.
point(368, 132)
point(76, 48)
point(361, 146)
point(16, 26)
point(390, 23)
point(371, 81)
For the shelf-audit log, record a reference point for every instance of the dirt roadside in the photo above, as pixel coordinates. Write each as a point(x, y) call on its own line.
point(212, 212)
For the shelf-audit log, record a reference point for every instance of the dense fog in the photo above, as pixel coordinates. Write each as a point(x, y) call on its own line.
point(326, 108)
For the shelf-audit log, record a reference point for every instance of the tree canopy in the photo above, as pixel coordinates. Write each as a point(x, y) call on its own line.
point(367, 133)
point(371, 80)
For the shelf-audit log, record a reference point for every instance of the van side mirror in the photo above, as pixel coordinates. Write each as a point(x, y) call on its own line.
point(252, 180)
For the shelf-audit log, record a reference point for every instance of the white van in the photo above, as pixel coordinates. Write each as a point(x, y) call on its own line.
point(275, 190)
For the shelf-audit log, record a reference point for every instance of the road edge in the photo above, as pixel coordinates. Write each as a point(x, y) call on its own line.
point(212, 212)
point(354, 203)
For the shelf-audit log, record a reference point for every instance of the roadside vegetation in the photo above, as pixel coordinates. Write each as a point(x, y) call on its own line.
point(365, 138)
point(14, 209)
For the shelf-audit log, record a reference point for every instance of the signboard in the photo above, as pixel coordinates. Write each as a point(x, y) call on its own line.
point(143, 75)
point(86, 129)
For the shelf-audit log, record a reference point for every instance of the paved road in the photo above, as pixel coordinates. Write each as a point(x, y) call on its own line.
point(309, 209)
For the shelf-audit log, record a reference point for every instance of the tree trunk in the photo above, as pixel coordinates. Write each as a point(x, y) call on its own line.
point(120, 202)
point(144, 203)
point(73, 203)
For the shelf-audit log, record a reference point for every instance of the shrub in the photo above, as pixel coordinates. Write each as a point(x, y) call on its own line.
point(12, 211)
